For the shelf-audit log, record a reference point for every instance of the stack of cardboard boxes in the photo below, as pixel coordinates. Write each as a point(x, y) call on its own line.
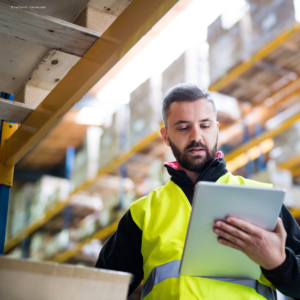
point(286, 144)
point(30, 201)
point(109, 142)
point(188, 67)
point(145, 109)
point(259, 23)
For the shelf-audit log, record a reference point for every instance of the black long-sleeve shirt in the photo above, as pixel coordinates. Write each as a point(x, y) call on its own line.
point(122, 252)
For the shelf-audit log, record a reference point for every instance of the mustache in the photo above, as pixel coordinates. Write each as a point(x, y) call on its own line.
point(195, 144)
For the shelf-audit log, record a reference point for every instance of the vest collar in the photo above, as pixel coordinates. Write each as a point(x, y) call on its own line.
point(212, 172)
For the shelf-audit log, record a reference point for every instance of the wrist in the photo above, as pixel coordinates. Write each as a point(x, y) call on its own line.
point(274, 265)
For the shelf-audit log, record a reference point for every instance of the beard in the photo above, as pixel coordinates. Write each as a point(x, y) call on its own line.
point(196, 163)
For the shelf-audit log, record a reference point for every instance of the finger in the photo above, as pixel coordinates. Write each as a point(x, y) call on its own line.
point(245, 226)
point(229, 244)
point(233, 230)
point(229, 237)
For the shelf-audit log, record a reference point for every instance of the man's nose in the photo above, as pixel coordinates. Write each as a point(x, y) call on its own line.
point(196, 134)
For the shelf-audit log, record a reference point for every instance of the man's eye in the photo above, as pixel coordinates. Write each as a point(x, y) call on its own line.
point(203, 126)
point(182, 129)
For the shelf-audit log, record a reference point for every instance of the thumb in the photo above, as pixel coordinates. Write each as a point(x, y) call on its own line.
point(279, 227)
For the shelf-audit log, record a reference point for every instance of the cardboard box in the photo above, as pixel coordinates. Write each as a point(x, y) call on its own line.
point(47, 191)
point(269, 19)
point(80, 173)
point(109, 142)
point(279, 178)
point(17, 211)
point(145, 109)
point(189, 67)
point(28, 280)
point(227, 47)
point(261, 21)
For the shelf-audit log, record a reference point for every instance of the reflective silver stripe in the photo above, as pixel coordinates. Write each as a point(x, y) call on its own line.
point(171, 270)
point(160, 273)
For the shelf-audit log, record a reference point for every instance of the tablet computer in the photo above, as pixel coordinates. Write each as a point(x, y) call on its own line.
point(203, 255)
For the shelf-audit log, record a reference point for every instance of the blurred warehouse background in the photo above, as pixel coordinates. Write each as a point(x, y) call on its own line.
point(71, 190)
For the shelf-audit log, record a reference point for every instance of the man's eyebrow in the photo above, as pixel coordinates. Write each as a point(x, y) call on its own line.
point(184, 122)
point(206, 120)
point(180, 122)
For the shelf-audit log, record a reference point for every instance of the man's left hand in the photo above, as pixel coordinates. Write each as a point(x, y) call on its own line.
point(263, 247)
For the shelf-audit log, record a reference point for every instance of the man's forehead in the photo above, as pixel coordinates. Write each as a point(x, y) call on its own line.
point(200, 107)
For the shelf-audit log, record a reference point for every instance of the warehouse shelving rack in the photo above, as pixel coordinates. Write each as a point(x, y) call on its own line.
point(58, 207)
point(104, 52)
point(222, 83)
point(289, 89)
point(245, 66)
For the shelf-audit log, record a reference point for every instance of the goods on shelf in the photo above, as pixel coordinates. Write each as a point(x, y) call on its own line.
point(37, 245)
point(19, 209)
point(269, 19)
point(31, 200)
point(280, 179)
point(15, 253)
point(155, 174)
point(259, 22)
point(58, 242)
point(92, 249)
point(107, 200)
point(109, 142)
point(286, 144)
point(158, 175)
point(227, 47)
point(79, 174)
point(109, 187)
point(86, 159)
point(93, 135)
point(145, 109)
point(46, 192)
point(86, 228)
point(191, 66)
point(43, 245)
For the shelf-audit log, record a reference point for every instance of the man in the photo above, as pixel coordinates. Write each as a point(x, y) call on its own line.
point(150, 237)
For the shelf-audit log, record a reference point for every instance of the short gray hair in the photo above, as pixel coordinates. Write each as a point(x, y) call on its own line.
point(184, 92)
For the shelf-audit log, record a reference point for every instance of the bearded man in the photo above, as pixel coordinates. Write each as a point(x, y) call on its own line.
point(150, 237)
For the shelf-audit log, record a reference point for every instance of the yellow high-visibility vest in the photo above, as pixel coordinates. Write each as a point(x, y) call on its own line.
point(163, 218)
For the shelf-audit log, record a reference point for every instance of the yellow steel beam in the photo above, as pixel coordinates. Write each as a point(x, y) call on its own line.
point(50, 213)
point(243, 67)
point(296, 171)
point(6, 172)
point(136, 20)
point(100, 235)
point(266, 135)
point(295, 212)
point(291, 163)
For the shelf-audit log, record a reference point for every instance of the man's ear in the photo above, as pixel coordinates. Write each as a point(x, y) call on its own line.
point(164, 134)
point(218, 126)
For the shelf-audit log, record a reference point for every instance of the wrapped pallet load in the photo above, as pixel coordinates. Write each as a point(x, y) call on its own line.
point(19, 209)
point(269, 18)
point(237, 34)
point(145, 109)
point(109, 142)
point(191, 66)
point(229, 44)
point(87, 157)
